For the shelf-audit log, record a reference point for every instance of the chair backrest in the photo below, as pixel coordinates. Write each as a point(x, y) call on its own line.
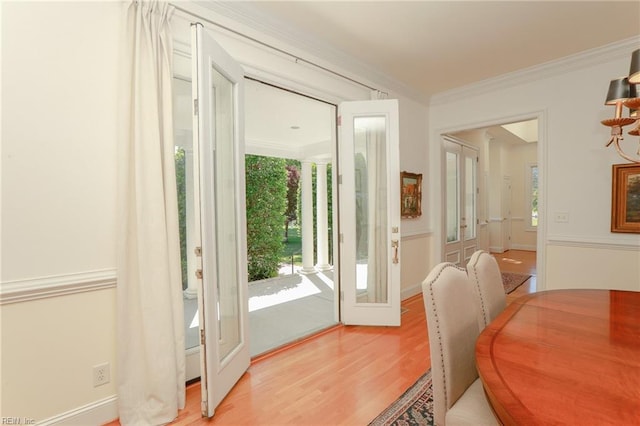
point(486, 281)
point(453, 329)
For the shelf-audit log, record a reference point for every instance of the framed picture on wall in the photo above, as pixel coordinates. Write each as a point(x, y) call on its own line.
point(625, 198)
point(410, 194)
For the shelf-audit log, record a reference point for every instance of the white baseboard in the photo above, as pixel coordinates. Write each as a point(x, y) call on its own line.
point(97, 413)
point(411, 291)
point(523, 247)
point(496, 249)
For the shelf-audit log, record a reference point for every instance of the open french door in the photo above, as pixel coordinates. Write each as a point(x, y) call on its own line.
point(369, 191)
point(219, 189)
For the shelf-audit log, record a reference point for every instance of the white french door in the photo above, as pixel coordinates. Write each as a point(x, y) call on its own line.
point(460, 194)
point(219, 195)
point(369, 194)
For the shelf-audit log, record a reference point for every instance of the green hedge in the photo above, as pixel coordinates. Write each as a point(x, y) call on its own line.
point(266, 186)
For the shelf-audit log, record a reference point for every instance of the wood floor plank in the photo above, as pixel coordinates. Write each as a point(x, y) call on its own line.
point(345, 376)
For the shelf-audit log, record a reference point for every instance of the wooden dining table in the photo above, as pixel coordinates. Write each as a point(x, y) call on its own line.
point(564, 357)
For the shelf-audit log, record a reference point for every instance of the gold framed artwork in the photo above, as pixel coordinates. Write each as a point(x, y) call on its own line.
point(410, 194)
point(625, 198)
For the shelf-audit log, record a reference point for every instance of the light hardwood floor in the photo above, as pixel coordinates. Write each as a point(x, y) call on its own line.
point(345, 376)
point(520, 261)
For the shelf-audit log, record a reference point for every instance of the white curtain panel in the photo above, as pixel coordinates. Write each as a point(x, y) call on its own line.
point(150, 323)
point(377, 216)
point(376, 153)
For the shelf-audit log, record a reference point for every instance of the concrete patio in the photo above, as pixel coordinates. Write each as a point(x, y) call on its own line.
point(281, 310)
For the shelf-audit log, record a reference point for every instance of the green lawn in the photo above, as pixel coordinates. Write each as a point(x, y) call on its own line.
point(292, 247)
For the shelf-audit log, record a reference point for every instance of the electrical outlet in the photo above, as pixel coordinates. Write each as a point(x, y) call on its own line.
point(562, 217)
point(101, 374)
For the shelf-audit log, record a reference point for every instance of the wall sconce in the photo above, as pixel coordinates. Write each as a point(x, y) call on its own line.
point(623, 91)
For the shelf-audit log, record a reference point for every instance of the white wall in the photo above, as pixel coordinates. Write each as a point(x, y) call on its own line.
point(59, 134)
point(59, 76)
point(416, 233)
point(59, 79)
point(575, 165)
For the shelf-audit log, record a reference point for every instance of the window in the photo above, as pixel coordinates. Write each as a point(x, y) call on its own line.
point(532, 196)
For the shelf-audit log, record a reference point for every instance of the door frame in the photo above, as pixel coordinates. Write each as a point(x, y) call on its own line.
point(332, 89)
point(335, 246)
point(436, 175)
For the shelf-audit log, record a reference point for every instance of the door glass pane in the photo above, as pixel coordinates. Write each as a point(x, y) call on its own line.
point(182, 125)
point(533, 196)
point(452, 216)
point(470, 197)
point(227, 281)
point(371, 209)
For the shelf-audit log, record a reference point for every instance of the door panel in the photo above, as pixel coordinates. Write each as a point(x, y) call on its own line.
point(460, 202)
point(452, 205)
point(219, 193)
point(370, 212)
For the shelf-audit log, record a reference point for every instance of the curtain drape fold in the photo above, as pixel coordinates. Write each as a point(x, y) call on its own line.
point(377, 283)
point(150, 322)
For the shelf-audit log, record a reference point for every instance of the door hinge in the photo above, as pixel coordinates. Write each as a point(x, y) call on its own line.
point(195, 107)
point(341, 238)
point(198, 251)
point(339, 179)
point(202, 339)
point(342, 295)
point(199, 274)
point(339, 120)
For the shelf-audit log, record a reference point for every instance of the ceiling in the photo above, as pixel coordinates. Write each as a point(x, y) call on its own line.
point(279, 122)
point(433, 46)
point(418, 48)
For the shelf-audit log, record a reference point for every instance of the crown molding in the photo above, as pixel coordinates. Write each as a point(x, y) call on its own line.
point(248, 21)
point(580, 60)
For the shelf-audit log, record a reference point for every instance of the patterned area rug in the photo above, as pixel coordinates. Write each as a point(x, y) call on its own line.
point(413, 408)
point(512, 280)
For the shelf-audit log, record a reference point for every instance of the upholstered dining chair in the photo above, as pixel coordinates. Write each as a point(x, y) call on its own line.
point(486, 281)
point(458, 395)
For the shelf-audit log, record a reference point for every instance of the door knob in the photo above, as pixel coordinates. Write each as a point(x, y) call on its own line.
point(395, 245)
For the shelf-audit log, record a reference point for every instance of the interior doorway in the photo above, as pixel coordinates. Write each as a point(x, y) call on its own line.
point(508, 192)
